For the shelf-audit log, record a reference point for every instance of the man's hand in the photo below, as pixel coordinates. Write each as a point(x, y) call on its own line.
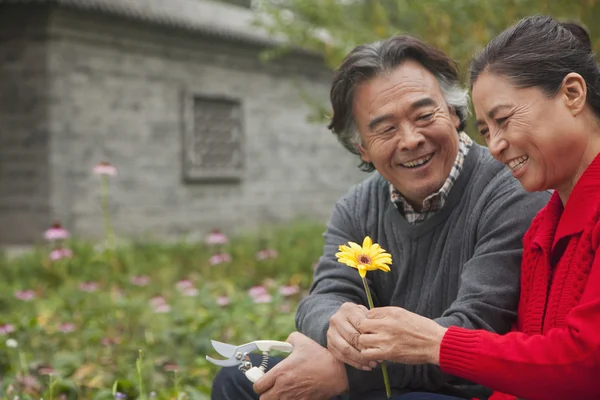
point(343, 334)
point(309, 373)
point(395, 334)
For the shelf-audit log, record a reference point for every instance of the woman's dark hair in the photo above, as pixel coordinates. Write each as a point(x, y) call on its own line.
point(370, 60)
point(540, 51)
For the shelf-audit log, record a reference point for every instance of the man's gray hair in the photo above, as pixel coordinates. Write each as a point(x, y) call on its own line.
point(370, 60)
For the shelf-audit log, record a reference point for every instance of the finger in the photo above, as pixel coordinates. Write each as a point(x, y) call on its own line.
point(267, 381)
point(370, 326)
point(371, 340)
point(269, 395)
point(346, 353)
point(381, 312)
point(374, 353)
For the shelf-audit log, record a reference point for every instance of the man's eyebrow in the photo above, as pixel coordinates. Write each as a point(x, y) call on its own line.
point(424, 102)
point(492, 113)
point(378, 120)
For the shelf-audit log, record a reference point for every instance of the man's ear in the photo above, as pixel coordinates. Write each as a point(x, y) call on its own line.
point(454, 117)
point(364, 154)
point(574, 92)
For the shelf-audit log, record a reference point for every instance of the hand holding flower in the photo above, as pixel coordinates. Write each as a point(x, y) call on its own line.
point(395, 334)
point(369, 257)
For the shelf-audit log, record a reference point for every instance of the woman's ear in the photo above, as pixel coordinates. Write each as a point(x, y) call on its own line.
point(574, 91)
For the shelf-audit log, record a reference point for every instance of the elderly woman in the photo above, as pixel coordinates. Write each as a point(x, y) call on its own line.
point(536, 92)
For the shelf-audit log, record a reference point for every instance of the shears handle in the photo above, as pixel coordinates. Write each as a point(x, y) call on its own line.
point(268, 345)
point(255, 373)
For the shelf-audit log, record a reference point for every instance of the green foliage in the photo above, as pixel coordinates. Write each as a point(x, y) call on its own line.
point(106, 336)
point(333, 28)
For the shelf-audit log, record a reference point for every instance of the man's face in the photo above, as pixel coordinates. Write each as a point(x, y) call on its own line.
point(408, 131)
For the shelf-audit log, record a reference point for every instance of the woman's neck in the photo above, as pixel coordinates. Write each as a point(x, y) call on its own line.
point(590, 153)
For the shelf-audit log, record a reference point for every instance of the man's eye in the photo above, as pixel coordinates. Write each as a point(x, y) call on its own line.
point(425, 117)
point(484, 131)
point(388, 129)
point(501, 121)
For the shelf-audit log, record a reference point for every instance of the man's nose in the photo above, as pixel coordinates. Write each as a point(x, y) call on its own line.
point(410, 140)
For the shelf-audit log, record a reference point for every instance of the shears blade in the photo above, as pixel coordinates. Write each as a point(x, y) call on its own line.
point(224, 349)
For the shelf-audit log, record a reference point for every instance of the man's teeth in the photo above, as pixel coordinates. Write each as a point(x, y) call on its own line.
point(517, 163)
point(417, 162)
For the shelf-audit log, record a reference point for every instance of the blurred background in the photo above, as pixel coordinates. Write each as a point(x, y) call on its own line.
point(166, 173)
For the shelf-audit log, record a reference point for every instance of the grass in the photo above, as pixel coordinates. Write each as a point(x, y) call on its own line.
point(136, 321)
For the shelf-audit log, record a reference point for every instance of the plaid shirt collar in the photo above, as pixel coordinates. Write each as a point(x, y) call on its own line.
point(435, 201)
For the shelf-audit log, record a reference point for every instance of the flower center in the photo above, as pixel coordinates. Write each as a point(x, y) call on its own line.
point(364, 259)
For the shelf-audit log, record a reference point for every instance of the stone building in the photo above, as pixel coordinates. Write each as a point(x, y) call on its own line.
point(171, 92)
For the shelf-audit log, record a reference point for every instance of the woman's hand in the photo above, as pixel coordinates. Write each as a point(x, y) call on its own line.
point(395, 334)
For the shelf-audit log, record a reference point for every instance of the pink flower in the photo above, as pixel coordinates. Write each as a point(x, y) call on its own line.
point(255, 291)
point(289, 290)
point(223, 301)
point(25, 295)
point(105, 168)
point(6, 329)
point(266, 254)
point(157, 301)
point(56, 232)
point(140, 280)
point(219, 258)
point(184, 284)
point(67, 327)
point(190, 292)
point(263, 298)
point(88, 287)
point(160, 305)
point(162, 309)
point(45, 370)
point(107, 341)
point(216, 237)
point(61, 253)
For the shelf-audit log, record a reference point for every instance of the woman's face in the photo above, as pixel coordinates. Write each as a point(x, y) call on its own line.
point(538, 137)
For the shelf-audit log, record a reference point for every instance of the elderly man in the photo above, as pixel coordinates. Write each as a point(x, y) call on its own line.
point(449, 214)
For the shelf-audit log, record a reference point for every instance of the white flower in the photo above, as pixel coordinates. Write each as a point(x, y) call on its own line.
point(12, 343)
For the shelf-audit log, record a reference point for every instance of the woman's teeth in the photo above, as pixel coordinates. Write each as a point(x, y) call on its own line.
point(517, 163)
point(418, 162)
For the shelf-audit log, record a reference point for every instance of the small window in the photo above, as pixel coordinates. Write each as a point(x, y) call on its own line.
point(213, 139)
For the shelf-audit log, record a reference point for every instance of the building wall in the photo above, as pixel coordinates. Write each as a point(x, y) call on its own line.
point(24, 134)
point(118, 90)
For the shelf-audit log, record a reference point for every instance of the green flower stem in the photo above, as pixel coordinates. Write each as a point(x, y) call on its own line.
point(386, 380)
point(105, 211)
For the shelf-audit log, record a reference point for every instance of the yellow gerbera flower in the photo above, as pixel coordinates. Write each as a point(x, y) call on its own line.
point(369, 257)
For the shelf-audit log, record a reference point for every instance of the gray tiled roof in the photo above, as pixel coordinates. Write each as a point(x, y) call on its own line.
point(198, 15)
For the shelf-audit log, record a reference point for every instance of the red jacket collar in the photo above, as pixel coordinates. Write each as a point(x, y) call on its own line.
point(558, 221)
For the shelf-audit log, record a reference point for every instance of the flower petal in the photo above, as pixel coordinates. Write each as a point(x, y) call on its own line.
point(355, 246)
point(367, 243)
point(362, 271)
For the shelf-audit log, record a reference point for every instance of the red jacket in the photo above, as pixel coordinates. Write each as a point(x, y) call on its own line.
point(553, 351)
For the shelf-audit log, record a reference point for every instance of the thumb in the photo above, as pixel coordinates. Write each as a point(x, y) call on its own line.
point(297, 339)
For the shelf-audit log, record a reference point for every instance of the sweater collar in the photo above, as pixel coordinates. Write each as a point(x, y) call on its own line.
point(558, 221)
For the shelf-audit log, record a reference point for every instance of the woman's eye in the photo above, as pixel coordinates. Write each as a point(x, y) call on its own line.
point(484, 131)
point(501, 121)
point(425, 117)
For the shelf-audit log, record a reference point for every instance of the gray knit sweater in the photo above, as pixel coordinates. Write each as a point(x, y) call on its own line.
point(459, 267)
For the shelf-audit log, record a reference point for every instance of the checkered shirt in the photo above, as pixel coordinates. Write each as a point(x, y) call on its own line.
point(435, 201)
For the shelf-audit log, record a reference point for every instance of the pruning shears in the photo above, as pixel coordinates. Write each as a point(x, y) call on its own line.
point(238, 355)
